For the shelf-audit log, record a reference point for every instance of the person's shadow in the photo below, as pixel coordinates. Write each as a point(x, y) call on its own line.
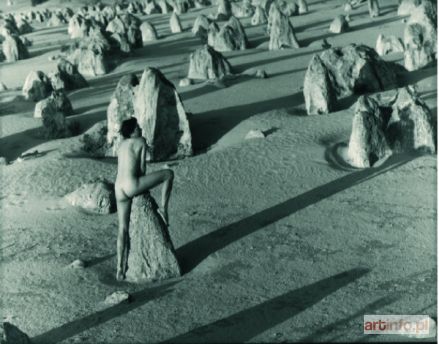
point(193, 253)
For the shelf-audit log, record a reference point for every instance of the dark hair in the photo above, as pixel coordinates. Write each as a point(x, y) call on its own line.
point(128, 126)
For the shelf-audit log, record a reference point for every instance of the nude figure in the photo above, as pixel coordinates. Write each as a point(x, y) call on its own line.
point(132, 181)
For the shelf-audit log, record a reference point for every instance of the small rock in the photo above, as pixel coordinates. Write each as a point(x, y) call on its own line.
point(77, 264)
point(339, 25)
point(3, 161)
point(255, 134)
point(117, 297)
point(98, 197)
point(261, 74)
point(185, 82)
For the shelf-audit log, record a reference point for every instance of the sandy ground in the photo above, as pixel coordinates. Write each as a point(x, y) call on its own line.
point(279, 241)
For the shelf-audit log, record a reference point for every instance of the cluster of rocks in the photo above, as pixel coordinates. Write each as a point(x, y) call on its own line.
point(52, 103)
point(384, 124)
point(231, 36)
point(159, 111)
point(341, 72)
point(14, 46)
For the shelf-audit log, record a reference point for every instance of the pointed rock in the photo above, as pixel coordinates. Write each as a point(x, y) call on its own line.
point(280, 29)
point(174, 23)
point(206, 63)
point(14, 49)
point(411, 125)
point(70, 75)
point(162, 117)
point(388, 45)
point(151, 253)
point(201, 27)
point(259, 17)
point(121, 108)
point(420, 37)
point(368, 142)
point(37, 86)
point(303, 6)
point(374, 8)
point(148, 32)
point(339, 25)
point(319, 94)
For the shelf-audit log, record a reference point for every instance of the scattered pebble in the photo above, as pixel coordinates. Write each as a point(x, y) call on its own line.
point(117, 297)
point(255, 134)
point(185, 82)
point(78, 264)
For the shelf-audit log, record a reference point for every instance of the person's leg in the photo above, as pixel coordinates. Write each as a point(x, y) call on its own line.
point(123, 212)
point(150, 181)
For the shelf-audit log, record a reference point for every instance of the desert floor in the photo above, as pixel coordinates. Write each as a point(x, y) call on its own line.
point(279, 240)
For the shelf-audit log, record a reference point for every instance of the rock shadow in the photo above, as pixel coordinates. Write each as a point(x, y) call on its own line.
point(247, 324)
point(193, 253)
point(77, 326)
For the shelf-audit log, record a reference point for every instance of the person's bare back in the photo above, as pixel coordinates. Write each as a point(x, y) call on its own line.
point(131, 166)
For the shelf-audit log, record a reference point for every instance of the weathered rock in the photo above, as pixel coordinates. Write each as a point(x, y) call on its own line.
point(37, 86)
point(255, 134)
point(70, 75)
point(54, 122)
point(3, 161)
point(201, 27)
point(57, 101)
point(14, 49)
point(406, 7)
point(56, 80)
point(374, 8)
point(240, 36)
point(56, 19)
point(117, 297)
point(358, 69)
point(121, 108)
point(388, 45)
point(151, 8)
point(174, 23)
point(90, 62)
point(368, 142)
point(148, 32)
point(212, 33)
point(280, 29)
point(97, 197)
point(151, 253)
point(11, 334)
point(179, 6)
point(339, 25)
point(23, 26)
point(319, 94)
point(288, 8)
point(242, 10)
point(420, 38)
point(94, 140)
point(411, 125)
point(259, 17)
point(224, 10)
point(26, 42)
point(162, 118)
point(78, 26)
point(303, 6)
point(206, 63)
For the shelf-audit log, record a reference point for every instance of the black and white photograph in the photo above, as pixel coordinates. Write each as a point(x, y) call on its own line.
point(218, 171)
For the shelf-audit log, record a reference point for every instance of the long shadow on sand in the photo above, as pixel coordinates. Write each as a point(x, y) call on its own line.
point(194, 252)
point(321, 335)
point(80, 325)
point(247, 324)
